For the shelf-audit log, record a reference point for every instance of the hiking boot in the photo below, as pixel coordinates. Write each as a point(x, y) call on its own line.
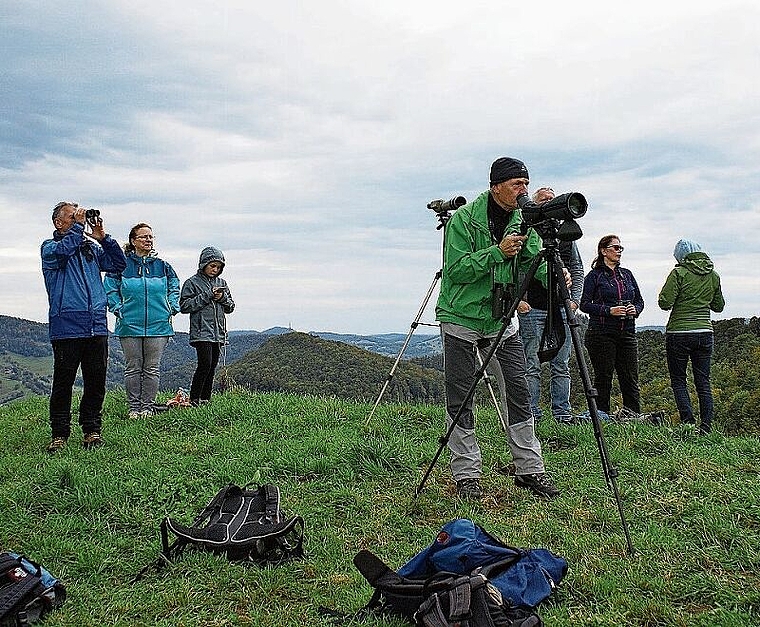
point(92, 440)
point(538, 483)
point(56, 445)
point(469, 489)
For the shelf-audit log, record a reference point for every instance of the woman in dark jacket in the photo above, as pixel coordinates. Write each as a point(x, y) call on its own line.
point(206, 297)
point(612, 299)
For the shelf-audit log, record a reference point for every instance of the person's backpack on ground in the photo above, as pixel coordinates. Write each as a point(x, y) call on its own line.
point(465, 567)
point(245, 524)
point(27, 591)
point(440, 600)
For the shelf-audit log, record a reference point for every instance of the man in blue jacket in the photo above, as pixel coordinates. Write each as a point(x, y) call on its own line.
point(71, 265)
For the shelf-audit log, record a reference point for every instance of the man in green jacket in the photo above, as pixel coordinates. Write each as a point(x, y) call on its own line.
point(691, 291)
point(483, 254)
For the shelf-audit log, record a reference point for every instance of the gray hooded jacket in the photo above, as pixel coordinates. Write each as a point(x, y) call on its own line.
point(207, 316)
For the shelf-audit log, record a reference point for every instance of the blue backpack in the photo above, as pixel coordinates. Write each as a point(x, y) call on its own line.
point(464, 557)
point(524, 576)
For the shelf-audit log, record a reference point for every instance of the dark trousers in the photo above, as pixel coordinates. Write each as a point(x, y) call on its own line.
point(680, 347)
point(615, 353)
point(203, 379)
point(91, 353)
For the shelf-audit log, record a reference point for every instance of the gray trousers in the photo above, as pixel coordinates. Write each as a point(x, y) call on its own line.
point(142, 357)
point(508, 369)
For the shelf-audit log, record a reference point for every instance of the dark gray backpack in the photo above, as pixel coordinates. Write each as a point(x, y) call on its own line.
point(243, 523)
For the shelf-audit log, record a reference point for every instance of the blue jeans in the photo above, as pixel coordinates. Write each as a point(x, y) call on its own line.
point(679, 348)
point(531, 329)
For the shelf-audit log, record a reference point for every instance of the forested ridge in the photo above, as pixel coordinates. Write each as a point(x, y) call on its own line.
point(302, 363)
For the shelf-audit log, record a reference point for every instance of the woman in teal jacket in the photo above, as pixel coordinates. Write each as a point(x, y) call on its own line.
point(143, 297)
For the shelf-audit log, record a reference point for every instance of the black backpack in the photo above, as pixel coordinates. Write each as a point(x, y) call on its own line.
point(246, 524)
point(27, 591)
point(440, 600)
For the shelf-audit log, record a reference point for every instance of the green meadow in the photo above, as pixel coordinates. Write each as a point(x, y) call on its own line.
point(92, 517)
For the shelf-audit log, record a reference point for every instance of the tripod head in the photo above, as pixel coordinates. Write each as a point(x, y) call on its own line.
point(444, 208)
point(551, 231)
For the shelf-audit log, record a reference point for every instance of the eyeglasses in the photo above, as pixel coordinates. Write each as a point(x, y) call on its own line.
point(145, 237)
point(616, 247)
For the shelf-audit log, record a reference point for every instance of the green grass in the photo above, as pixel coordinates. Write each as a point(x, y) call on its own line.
point(92, 517)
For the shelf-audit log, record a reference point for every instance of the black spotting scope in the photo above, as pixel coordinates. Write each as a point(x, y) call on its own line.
point(563, 207)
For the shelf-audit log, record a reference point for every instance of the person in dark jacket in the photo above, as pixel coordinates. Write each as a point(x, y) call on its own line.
point(532, 312)
point(691, 291)
point(207, 298)
point(612, 299)
point(143, 297)
point(72, 262)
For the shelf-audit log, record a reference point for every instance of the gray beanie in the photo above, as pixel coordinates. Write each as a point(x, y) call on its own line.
point(683, 248)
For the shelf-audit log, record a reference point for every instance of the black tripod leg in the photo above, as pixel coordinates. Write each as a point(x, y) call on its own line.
point(610, 472)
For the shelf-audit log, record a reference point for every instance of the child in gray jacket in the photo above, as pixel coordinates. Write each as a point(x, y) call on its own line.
point(206, 297)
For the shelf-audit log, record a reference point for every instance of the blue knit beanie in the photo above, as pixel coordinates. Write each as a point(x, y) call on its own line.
point(683, 248)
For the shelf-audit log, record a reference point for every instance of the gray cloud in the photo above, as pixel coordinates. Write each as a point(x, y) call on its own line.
point(306, 140)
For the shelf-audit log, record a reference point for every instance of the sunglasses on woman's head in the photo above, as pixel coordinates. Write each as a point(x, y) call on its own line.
point(616, 247)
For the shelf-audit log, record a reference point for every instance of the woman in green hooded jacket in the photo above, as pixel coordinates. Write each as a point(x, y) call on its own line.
point(691, 291)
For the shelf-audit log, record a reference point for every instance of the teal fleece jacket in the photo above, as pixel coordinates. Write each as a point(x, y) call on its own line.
point(143, 297)
point(691, 290)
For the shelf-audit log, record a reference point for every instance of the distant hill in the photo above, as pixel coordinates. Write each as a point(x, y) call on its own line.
point(26, 357)
point(389, 344)
point(301, 363)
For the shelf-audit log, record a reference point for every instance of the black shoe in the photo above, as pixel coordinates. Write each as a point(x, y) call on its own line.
point(538, 483)
point(92, 440)
point(469, 489)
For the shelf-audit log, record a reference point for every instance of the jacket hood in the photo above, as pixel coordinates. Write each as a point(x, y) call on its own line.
point(208, 255)
point(698, 263)
point(684, 247)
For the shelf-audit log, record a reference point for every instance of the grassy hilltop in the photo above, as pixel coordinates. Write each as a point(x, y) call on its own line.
point(692, 505)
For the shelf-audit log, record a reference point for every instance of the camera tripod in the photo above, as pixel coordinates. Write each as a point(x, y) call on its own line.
point(555, 286)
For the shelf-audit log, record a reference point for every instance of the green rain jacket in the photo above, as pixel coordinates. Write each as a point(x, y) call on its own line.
point(691, 290)
point(472, 263)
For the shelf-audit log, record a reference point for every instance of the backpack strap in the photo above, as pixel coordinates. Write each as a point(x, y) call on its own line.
point(460, 598)
point(271, 502)
point(459, 593)
point(12, 594)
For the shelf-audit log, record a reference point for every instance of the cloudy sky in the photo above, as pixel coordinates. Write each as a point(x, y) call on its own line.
point(305, 139)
